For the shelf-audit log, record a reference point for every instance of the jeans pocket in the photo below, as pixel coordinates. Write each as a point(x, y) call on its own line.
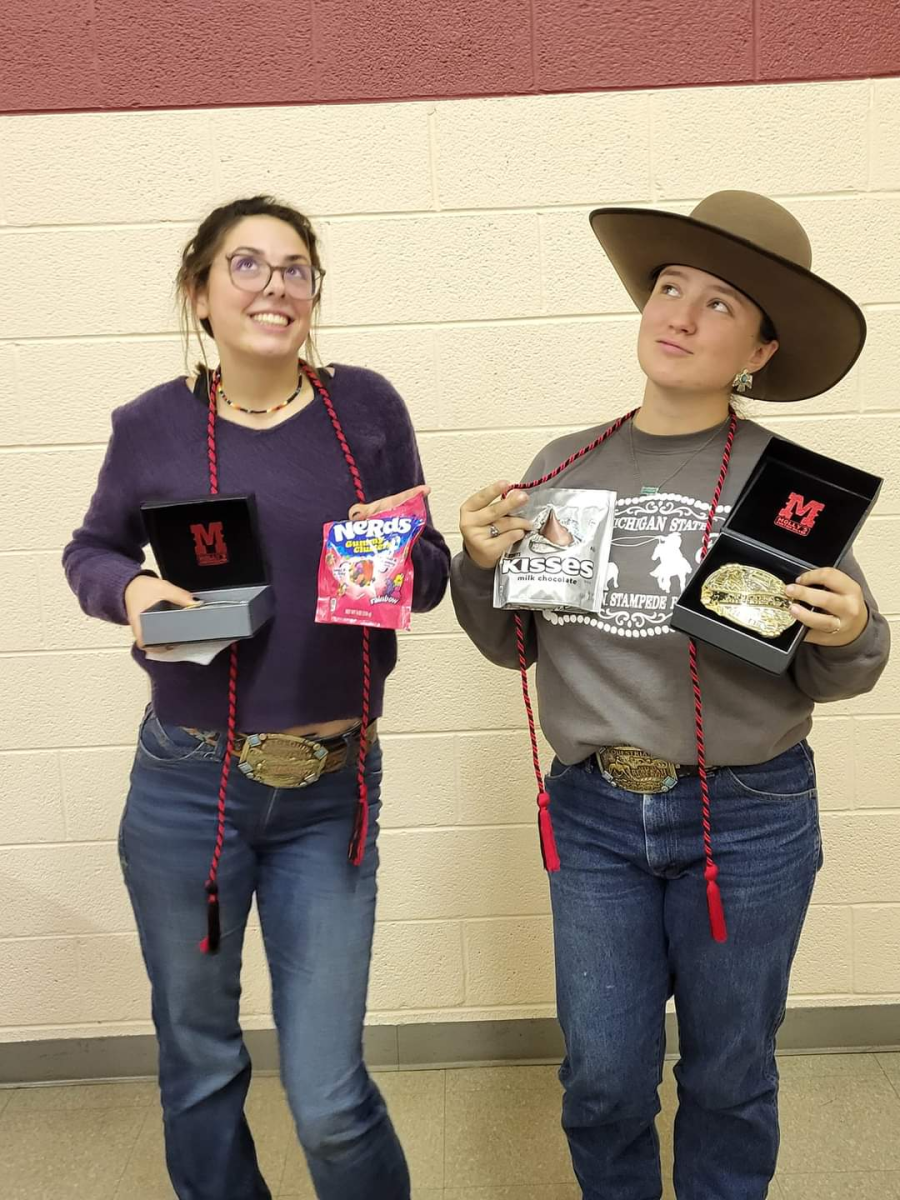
point(167, 743)
point(559, 770)
point(374, 766)
point(374, 763)
point(789, 776)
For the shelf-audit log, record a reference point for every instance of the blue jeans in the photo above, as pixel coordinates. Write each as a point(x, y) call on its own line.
point(631, 930)
point(317, 912)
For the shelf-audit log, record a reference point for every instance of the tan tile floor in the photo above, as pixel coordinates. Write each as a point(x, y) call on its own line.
point(488, 1133)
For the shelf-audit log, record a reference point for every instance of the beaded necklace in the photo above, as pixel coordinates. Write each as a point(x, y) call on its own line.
point(256, 412)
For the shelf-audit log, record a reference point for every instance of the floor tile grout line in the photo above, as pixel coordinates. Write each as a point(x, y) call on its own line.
point(288, 1143)
point(864, 1171)
point(137, 1137)
point(882, 1069)
point(444, 1130)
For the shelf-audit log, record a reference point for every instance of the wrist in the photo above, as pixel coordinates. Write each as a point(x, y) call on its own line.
point(477, 561)
point(849, 633)
point(137, 578)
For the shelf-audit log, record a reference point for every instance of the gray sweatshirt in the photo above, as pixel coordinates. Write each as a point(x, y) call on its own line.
point(621, 678)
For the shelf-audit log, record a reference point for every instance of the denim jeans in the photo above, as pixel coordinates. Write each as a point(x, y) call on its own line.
point(316, 910)
point(631, 930)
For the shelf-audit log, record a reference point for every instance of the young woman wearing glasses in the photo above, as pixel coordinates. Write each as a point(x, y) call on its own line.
point(312, 445)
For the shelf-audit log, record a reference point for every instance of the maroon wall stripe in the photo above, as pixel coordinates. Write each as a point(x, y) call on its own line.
point(655, 43)
point(840, 40)
point(60, 55)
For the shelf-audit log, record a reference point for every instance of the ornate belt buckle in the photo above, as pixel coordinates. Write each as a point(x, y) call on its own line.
point(634, 770)
point(749, 597)
point(280, 760)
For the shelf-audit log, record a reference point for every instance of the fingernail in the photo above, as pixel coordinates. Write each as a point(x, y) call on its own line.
point(791, 590)
point(796, 609)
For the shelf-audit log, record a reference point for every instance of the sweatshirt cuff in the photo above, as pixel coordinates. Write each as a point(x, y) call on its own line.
point(118, 582)
point(864, 649)
point(479, 580)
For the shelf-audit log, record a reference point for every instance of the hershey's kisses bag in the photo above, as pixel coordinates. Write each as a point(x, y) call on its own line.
point(562, 563)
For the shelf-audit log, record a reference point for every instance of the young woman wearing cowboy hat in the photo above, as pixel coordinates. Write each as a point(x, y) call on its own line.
point(725, 294)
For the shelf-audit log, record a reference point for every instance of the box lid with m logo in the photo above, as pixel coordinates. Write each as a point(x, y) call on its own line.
point(212, 542)
point(803, 505)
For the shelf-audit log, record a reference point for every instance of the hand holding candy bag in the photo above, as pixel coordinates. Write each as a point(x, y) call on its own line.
point(366, 570)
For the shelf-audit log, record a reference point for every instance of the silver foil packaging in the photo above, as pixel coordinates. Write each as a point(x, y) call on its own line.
point(562, 563)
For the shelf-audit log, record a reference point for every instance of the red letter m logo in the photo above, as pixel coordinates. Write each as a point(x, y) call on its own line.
point(209, 544)
point(799, 515)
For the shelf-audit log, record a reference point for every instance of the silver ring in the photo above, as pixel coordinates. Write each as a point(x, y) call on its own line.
point(494, 531)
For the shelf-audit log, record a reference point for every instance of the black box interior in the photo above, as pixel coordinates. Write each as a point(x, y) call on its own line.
point(207, 543)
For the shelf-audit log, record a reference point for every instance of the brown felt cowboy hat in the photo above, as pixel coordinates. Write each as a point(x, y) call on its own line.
point(758, 247)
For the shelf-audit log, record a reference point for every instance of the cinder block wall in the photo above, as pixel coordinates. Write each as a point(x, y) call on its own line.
point(460, 263)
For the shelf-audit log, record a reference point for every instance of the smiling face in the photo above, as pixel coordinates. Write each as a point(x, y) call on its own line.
point(697, 332)
point(272, 322)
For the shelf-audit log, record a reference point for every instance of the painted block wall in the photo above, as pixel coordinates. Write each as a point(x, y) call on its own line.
point(460, 264)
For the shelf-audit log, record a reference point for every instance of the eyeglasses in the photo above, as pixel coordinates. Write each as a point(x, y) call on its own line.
point(251, 273)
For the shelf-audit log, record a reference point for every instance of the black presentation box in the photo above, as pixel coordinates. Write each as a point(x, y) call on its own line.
point(798, 510)
point(210, 547)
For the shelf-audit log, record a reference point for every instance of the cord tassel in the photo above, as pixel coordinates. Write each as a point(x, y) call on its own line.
point(210, 944)
point(545, 827)
point(714, 904)
point(360, 828)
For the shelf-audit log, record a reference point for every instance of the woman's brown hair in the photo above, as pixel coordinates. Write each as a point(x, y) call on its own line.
point(197, 257)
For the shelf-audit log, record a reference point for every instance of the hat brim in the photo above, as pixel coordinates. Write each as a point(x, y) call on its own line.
point(821, 331)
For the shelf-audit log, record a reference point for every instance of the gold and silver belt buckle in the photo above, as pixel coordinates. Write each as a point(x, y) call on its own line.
point(749, 597)
point(634, 770)
point(282, 760)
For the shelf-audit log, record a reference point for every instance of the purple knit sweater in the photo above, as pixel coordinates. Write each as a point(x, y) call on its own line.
point(293, 671)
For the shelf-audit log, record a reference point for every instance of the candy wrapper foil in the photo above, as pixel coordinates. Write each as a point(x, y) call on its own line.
point(562, 563)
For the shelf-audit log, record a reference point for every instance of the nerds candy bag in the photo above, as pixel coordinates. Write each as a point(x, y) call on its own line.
point(366, 571)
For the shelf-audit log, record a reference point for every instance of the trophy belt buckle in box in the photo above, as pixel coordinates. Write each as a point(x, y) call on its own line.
point(799, 511)
point(750, 597)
